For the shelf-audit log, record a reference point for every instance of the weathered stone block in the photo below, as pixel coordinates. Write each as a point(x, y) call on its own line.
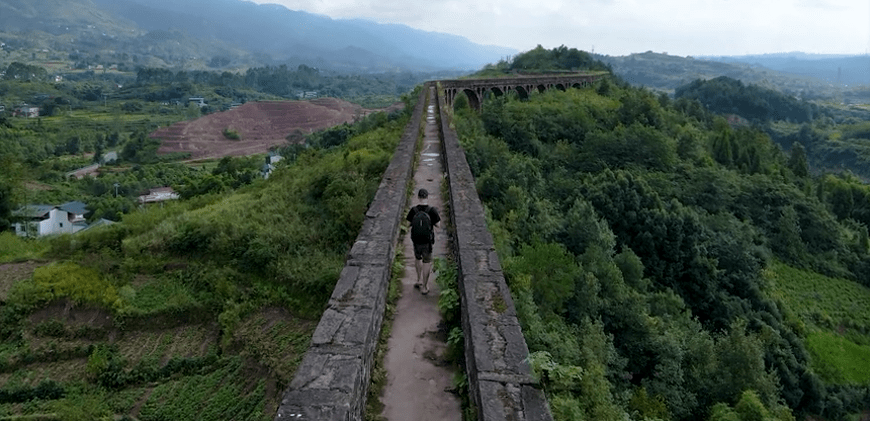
point(500, 402)
point(366, 286)
point(313, 405)
point(371, 251)
point(535, 404)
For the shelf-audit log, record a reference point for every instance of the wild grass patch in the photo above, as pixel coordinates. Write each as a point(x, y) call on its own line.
point(829, 303)
point(838, 360)
point(835, 317)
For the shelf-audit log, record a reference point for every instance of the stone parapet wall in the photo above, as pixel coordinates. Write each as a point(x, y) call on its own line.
point(496, 353)
point(333, 379)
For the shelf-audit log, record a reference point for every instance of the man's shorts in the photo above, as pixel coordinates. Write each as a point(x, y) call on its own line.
point(423, 252)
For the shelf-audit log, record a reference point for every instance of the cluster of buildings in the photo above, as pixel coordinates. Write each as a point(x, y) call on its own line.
point(22, 110)
point(41, 220)
point(69, 217)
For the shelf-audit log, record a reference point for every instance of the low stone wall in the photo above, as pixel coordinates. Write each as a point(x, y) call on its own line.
point(495, 350)
point(333, 379)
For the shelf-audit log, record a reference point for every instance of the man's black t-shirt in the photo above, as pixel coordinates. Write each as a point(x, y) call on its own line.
point(433, 213)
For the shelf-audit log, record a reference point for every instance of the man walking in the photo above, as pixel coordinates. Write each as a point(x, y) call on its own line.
point(423, 219)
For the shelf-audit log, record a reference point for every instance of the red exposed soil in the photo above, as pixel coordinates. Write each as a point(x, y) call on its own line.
point(259, 124)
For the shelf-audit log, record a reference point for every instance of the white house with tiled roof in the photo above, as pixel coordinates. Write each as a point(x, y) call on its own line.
point(41, 220)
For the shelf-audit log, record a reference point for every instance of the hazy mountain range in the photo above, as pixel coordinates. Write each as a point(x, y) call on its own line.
point(235, 35)
point(837, 69)
point(174, 30)
point(808, 78)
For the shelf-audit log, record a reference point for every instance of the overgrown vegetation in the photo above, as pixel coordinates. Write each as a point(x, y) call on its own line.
point(638, 233)
point(199, 309)
point(540, 60)
point(833, 139)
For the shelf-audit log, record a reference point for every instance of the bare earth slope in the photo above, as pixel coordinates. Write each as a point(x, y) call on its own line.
point(260, 125)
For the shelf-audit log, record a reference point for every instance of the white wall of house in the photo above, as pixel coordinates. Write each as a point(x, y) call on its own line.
point(57, 222)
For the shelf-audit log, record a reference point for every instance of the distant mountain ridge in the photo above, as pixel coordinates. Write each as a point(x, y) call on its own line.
point(840, 69)
point(665, 73)
point(272, 33)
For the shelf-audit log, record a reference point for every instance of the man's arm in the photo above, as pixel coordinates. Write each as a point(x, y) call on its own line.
point(434, 216)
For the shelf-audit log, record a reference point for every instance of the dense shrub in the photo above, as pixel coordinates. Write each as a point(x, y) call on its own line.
point(651, 222)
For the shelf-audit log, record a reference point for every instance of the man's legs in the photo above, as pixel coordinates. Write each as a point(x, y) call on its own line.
point(418, 264)
point(427, 269)
point(423, 265)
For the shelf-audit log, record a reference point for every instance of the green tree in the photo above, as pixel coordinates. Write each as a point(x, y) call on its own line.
point(6, 206)
point(25, 72)
point(797, 161)
point(787, 242)
point(552, 271)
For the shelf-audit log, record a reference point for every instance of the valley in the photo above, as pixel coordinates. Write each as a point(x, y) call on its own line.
point(658, 238)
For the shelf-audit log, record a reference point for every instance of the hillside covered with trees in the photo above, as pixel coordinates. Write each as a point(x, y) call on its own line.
point(198, 309)
point(668, 265)
point(833, 139)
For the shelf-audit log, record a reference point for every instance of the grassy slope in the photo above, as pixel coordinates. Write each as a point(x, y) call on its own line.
point(834, 315)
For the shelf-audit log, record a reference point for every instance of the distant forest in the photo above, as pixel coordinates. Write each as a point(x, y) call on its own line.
point(834, 139)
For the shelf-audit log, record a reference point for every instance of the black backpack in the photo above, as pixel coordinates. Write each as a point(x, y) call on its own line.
point(421, 227)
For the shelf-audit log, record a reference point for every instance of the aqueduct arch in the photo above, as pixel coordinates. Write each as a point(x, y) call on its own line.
point(476, 89)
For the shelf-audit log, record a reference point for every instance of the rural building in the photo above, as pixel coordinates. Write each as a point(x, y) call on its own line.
point(99, 223)
point(157, 195)
point(84, 172)
point(271, 160)
point(26, 111)
point(198, 101)
point(110, 157)
point(42, 220)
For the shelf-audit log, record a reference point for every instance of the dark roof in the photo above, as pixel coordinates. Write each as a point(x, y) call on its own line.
point(34, 211)
point(39, 211)
point(75, 207)
point(99, 223)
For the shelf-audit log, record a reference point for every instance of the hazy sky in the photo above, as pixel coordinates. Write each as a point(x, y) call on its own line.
point(619, 27)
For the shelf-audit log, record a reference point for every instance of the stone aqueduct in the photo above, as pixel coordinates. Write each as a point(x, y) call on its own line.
point(475, 89)
point(332, 381)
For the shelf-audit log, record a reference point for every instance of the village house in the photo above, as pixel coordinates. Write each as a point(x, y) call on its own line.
point(158, 195)
point(269, 166)
point(42, 220)
point(26, 111)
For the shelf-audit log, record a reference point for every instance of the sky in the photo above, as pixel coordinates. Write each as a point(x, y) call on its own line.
point(621, 27)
